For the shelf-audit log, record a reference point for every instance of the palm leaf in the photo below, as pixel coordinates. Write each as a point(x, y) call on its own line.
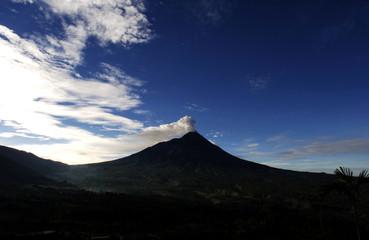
point(363, 177)
point(344, 173)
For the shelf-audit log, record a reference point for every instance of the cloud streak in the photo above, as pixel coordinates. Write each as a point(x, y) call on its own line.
point(195, 107)
point(347, 146)
point(322, 153)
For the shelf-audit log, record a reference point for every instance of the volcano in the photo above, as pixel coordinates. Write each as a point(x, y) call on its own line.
point(189, 152)
point(189, 167)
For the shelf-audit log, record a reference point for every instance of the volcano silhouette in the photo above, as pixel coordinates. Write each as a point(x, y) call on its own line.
point(189, 166)
point(190, 150)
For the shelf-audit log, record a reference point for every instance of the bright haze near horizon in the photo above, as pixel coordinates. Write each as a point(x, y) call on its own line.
point(282, 83)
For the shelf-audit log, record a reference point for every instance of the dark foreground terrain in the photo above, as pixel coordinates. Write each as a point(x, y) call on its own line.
point(35, 212)
point(185, 188)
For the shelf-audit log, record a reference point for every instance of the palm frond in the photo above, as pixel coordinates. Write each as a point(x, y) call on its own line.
point(344, 173)
point(363, 177)
point(364, 174)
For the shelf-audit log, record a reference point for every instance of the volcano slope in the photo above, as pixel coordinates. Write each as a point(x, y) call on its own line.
point(193, 168)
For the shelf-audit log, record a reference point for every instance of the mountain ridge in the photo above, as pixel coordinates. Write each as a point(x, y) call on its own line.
point(20, 167)
point(31, 161)
point(189, 167)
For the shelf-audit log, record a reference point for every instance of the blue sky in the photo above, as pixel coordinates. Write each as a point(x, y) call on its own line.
point(283, 83)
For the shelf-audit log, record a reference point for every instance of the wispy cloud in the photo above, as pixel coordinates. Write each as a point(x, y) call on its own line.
point(322, 153)
point(353, 20)
point(276, 164)
point(74, 118)
point(195, 107)
point(253, 145)
point(211, 12)
point(257, 83)
point(142, 112)
point(36, 91)
point(330, 34)
point(248, 147)
point(347, 146)
point(282, 140)
point(215, 134)
point(276, 138)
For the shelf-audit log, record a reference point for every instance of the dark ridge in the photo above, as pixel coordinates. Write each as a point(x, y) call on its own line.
point(12, 172)
point(31, 161)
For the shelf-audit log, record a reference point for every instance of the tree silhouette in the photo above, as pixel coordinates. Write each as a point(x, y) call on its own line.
point(348, 185)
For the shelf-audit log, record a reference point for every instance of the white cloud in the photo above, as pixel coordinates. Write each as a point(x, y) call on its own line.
point(185, 124)
point(215, 134)
point(116, 21)
point(91, 148)
point(23, 1)
point(42, 97)
point(142, 112)
point(38, 94)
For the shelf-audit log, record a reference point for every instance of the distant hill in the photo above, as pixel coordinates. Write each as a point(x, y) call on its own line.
point(12, 172)
point(31, 161)
point(19, 167)
point(193, 168)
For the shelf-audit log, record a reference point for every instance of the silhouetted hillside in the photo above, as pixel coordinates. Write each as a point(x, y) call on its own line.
point(31, 161)
point(19, 167)
point(191, 167)
point(12, 172)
